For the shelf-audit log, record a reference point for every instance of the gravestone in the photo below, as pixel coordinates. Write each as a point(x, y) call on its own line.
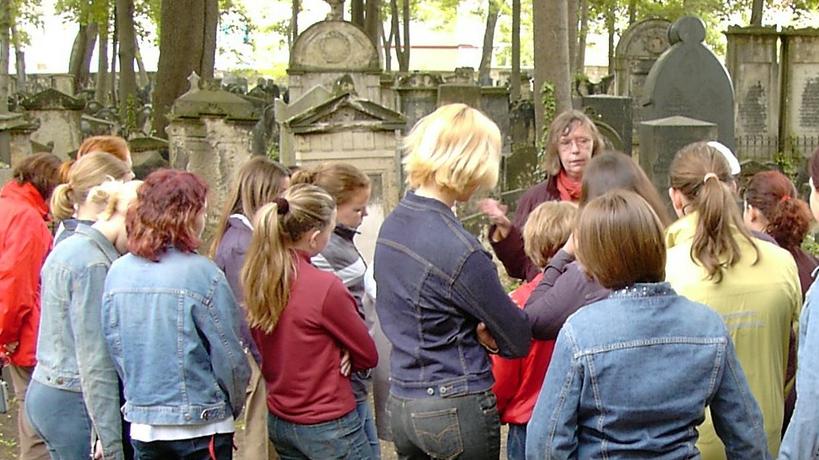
point(800, 88)
point(59, 116)
point(661, 139)
point(148, 154)
point(688, 80)
point(614, 112)
point(752, 61)
point(637, 51)
point(418, 93)
point(210, 134)
point(19, 127)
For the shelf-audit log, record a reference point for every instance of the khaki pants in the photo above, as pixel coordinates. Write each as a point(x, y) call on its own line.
point(252, 438)
point(32, 446)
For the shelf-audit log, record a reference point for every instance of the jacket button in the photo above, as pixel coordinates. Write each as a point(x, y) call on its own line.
point(442, 390)
point(430, 391)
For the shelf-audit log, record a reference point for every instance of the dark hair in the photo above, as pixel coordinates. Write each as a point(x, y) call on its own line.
point(773, 194)
point(620, 240)
point(702, 175)
point(165, 212)
point(615, 170)
point(41, 170)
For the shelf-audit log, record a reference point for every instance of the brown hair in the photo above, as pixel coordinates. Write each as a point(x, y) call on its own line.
point(563, 125)
point(269, 267)
point(615, 170)
point(702, 175)
point(620, 240)
point(257, 183)
point(547, 228)
point(87, 172)
point(41, 170)
point(341, 180)
point(774, 195)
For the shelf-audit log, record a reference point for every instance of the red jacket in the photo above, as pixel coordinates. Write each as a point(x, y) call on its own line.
point(518, 381)
point(24, 244)
point(301, 358)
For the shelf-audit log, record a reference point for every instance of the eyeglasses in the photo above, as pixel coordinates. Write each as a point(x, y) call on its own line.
point(581, 142)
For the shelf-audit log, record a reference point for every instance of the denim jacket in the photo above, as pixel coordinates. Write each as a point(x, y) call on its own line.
point(631, 377)
point(435, 284)
point(71, 353)
point(801, 441)
point(172, 328)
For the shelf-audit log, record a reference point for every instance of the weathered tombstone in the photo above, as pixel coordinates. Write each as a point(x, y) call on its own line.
point(92, 126)
point(418, 93)
point(63, 83)
point(59, 116)
point(19, 127)
point(615, 113)
point(800, 88)
point(751, 59)
point(450, 93)
point(661, 139)
point(495, 104)
point(688, 80)
point(148, 154)
point(210, 133)
point(637, 51)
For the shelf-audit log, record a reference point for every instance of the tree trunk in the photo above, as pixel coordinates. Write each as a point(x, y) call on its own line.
point(294, 23)
point(492, 12)
point(142, 76)
point(551, 62)
point(571, 16)
point(756, 13)
point(395, 33)
point(405, 62)
point(632, 12)
point(387, 44)
point(101, 92)
point(357, 12)
point(372, 21)
point(19, 60)
point(5, 23)
point(514, 84)
point(610, 25)
point(187, 46)
point(580, 55)
point(113, 67)
point(127, 54)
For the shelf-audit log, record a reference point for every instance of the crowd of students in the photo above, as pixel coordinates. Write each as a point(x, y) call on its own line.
point(632, 335)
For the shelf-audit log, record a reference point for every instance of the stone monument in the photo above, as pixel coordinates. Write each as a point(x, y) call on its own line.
point(800, 88)
point(59, 116)
point(688, 80)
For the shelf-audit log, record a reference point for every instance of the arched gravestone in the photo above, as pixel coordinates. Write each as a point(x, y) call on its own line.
point(329, 46)
point(637, 51)
point(688, 80)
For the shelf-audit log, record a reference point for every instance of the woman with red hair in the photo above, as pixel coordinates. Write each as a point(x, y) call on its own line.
point(172, 327)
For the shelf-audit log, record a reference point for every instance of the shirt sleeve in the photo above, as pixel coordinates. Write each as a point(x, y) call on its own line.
point(340, 318)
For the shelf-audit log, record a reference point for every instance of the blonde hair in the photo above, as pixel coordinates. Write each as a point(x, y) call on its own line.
point(340, 180)
point(547, 228)
point(113, 196)
point(701, 173)
point(455, 147)
point(269, 267)
point(86, 173)
point(620, 240)
point(257, 183)
point(563, 125)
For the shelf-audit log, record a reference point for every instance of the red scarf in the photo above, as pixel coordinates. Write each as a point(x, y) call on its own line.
point(568, 188)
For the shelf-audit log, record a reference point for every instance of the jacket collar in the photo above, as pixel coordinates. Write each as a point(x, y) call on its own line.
point(430, 203)
point(99, 240)
point(27, 193)
point(345, 232)
point(643, 290)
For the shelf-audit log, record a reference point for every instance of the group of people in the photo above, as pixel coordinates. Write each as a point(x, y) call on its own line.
point(632, 335)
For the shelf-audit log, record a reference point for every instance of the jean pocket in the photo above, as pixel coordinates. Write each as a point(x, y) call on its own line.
point(439, 433)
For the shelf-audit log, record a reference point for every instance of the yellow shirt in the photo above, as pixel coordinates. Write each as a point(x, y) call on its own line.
point(759, 303)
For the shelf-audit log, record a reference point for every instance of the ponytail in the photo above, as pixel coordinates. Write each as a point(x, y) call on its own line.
point(84, 174)
point(270, 264)
point(341, 180)
point(62, 203)
point(701, 173)
point(789, 218)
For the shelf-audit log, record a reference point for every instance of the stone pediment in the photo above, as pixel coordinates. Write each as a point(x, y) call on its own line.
point(346, 112)
point(51, 99)
point(212, 101)
point(334, 46)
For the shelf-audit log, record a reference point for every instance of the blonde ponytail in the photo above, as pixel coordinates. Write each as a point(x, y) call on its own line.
point(62, 205)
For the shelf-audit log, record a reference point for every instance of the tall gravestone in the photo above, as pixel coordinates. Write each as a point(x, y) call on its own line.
point(752, 61)
point(800, 88)
point(661, 139)
point(18, 127)
point(637, 51)
point(688, 80)
point(59, 116)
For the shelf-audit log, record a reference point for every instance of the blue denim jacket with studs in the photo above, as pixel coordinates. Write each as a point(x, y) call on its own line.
point(631, 377)
point(172, 328)
point(436, 282)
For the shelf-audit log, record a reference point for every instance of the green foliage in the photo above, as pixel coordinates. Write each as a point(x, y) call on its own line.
point(128, 116)
point(810, 245)
point(789, 163)
point(547, 95)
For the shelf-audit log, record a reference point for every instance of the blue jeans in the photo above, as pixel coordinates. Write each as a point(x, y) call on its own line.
point(342, 438)
point(61, 419)
point(516, 442)
point(186, 449)
point(466, 427)
point(366, 416)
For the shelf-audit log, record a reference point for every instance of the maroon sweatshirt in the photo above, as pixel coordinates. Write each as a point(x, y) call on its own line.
point(301, 357)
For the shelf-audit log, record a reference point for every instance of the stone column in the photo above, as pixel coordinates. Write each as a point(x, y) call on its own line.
point(751, 60)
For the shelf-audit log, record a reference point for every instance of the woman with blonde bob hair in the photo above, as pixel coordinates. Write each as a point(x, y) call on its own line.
point(300, 314)
point(435, 285)
point(631, 375)
point(753, 284)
